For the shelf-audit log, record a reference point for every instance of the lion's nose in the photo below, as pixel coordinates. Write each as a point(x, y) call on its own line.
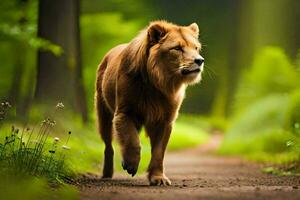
point(199, 61)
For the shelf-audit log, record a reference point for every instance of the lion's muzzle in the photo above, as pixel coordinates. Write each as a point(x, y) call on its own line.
point(190, 70)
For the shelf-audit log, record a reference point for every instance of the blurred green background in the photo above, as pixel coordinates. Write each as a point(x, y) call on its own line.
point(250, 93)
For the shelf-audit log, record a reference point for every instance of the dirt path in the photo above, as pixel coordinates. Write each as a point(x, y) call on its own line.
point(196, 174)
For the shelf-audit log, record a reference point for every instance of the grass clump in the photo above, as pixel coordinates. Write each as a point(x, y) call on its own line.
point(292, 120)
point(31, 151)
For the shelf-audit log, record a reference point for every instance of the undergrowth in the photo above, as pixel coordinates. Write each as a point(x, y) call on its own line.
point(265, 125)
point(32, 152)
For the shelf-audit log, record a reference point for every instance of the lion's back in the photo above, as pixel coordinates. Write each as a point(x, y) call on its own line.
point(107, 73)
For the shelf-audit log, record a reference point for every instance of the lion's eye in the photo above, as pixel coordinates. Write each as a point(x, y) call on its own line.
point(178, 48)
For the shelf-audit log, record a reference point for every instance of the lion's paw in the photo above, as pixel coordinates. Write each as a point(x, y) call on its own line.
point(130, 167)
point(159, 180)
point(131, 160)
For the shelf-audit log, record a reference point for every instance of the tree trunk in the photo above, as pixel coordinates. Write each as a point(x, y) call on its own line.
point(59, 78)
point(15, 92)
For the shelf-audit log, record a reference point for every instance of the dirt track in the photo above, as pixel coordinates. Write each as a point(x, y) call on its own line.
point(196, 174)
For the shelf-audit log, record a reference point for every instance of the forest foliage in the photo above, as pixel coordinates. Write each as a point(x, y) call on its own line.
point(250, 89)
point(266, 118)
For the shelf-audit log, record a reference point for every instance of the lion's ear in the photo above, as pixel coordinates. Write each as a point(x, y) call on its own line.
point(194, 27)
point(156, 31)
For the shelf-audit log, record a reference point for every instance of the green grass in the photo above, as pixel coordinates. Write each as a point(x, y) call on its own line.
point(32, 188)
point(269, 146)
point(32, 152)
point(33, 162)
point(259, 132)
point(24, 152)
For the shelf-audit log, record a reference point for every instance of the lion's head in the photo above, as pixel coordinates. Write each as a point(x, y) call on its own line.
point(174, 53)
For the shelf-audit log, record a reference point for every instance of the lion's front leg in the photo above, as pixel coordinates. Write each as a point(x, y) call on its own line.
point(159, 137)
point(127, 133)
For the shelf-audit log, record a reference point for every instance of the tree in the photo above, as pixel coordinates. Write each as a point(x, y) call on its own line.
point(59, 78)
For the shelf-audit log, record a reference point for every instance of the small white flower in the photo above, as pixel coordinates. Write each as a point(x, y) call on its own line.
point(50, 122)
point(66, 147)
point(7, 104)
point(60, 105)
point(56, 139)
point(44, 122)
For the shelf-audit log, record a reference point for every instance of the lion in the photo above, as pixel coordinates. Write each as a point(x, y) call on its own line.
point(142, 83)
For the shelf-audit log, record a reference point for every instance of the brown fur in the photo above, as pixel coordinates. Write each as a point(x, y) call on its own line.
point(143, 83)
